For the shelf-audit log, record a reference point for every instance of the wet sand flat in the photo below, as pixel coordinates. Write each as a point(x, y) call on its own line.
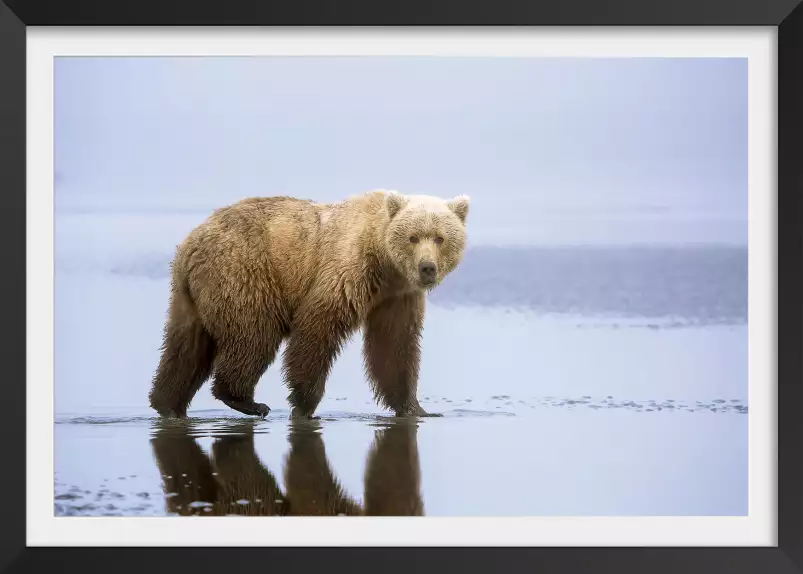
point(563, 457)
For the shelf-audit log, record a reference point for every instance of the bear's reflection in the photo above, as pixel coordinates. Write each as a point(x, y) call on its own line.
point(233, 481)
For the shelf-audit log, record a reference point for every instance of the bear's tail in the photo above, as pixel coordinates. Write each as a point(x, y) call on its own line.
point(188, 352)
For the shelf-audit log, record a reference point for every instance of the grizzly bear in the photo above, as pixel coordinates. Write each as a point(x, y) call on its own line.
point(269, 269)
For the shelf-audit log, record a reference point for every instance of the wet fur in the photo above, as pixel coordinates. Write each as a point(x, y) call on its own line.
point(268, 270)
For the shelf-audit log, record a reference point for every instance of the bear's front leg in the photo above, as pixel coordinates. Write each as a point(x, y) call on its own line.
point(318, 334)
point(392, 352)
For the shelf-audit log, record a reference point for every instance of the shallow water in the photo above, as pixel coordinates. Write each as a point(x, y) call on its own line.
point(588, 457)
point(573, 381)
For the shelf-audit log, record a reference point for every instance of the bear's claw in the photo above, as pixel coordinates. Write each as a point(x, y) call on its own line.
point(417, 412)
point(262, 410)
point(295, 414)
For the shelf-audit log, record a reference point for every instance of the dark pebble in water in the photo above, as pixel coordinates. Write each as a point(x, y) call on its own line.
point(670, 400)
point(609, 397)
point(713, 410)
point(718, 401)
point(67, 497)
point(669, 406)
point(650, 410)
point(586, 397)
point(468, 400)
point(734, 400)
point(570, 402)
point(143, 495)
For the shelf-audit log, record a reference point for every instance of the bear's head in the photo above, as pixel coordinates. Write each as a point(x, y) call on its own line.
point(426, 236)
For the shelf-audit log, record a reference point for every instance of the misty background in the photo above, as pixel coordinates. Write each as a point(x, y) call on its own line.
point(626, 150)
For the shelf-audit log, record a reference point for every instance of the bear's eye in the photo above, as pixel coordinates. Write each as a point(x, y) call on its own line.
point(413, 239)
point(439, 240)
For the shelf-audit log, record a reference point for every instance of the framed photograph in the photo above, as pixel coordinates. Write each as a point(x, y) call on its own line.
point(487, 286)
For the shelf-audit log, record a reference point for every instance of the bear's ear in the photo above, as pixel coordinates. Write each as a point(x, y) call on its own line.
point(394, 202)
point(459, 206)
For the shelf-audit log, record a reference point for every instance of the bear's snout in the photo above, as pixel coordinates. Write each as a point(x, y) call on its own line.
point(427, 271)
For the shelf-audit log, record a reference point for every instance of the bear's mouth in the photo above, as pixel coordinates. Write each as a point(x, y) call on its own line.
point(427, 284)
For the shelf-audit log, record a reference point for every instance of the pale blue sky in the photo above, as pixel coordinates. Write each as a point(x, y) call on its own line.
point(652, 137)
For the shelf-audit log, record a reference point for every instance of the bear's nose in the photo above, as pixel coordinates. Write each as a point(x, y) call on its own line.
point(427, 270)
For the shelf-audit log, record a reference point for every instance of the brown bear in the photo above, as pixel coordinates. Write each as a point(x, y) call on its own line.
point(273, 268)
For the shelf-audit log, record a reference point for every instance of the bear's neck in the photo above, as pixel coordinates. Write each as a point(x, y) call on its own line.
point(381, 275)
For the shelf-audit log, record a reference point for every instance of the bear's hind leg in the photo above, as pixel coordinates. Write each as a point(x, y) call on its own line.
point(188, 352)
point(247, 406)
point(237, 371)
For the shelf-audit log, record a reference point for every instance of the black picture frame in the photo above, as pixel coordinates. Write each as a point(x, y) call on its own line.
point(787, 15)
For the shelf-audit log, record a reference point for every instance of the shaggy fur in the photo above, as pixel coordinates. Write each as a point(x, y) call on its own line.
point(266, 270)
point(234, 473)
